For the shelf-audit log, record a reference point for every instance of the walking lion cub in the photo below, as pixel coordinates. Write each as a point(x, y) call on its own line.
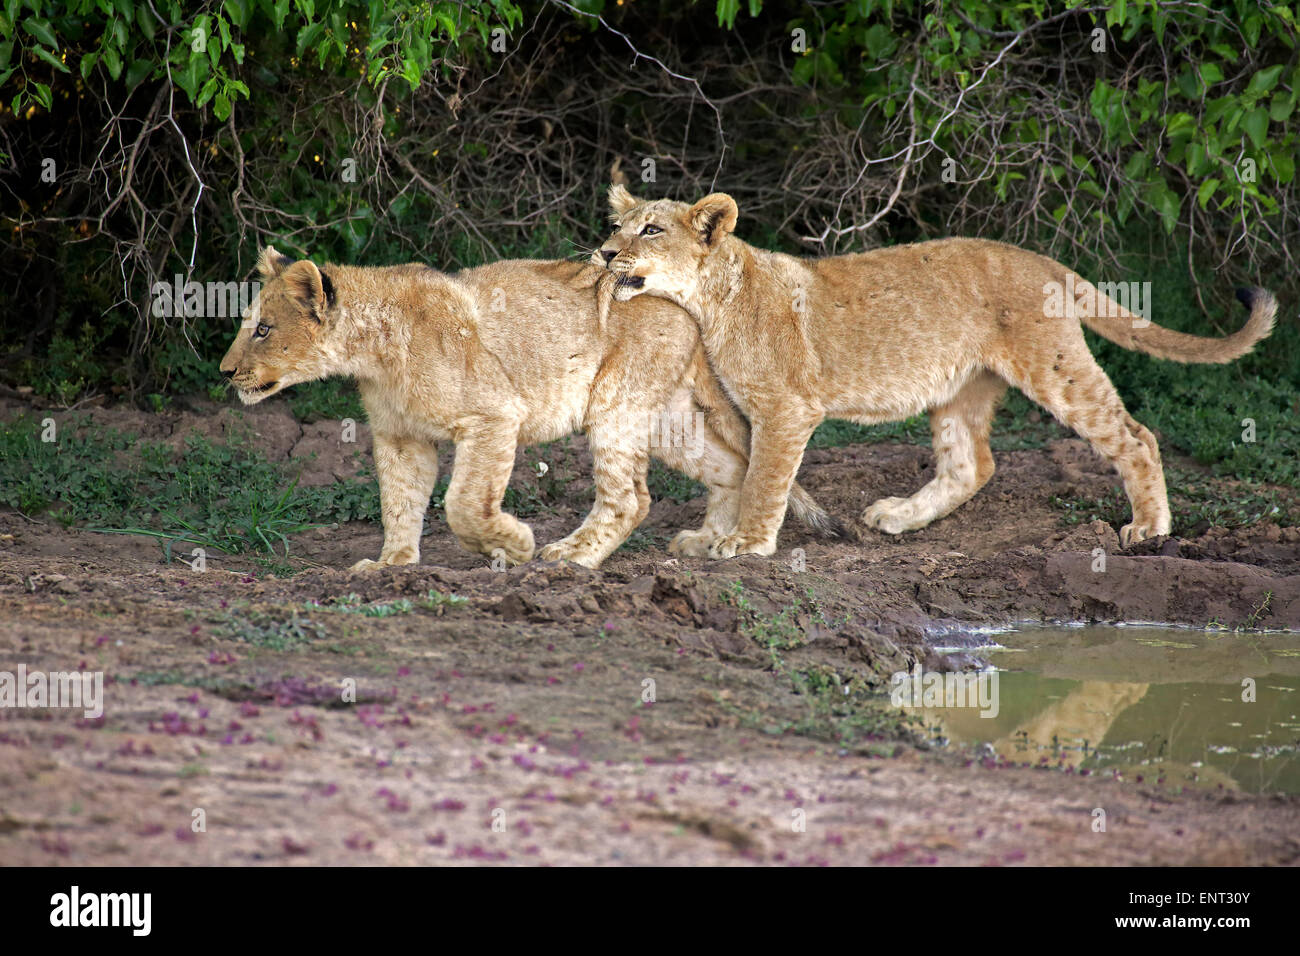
point(940, 326)
point(506, 354)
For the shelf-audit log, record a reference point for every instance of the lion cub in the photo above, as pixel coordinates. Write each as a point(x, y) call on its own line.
point(940, 326)
point(506, 354)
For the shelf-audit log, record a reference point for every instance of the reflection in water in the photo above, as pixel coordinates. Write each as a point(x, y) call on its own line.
point(1197, 708)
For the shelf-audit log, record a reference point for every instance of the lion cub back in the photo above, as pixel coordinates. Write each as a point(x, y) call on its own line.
point(542, 317)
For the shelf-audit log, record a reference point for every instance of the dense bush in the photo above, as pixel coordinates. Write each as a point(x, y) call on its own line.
point(1136, 140)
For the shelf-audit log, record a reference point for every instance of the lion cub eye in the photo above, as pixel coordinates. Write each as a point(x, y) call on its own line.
point(263, 330)
point(649, 229)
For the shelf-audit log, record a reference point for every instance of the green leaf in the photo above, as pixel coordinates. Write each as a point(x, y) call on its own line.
point(308, 36)
point(144, 19)
point(113, 62)
point(1263, 81)
point(1166, 203)
point(802, 71)
point(727, 11)
point(879, 41)
point(1254, 23)
point(1180, 125)
point(1137, 165)
point(205, 94)
point(137, 72)
point(191, 78)
point(1282, 161)
point(238, 11)
point(1090, 187)
point(44, 95)
point(1224, 52)
point(221, 107)
point(1216, 108)
point(1256, 126)
point(87, 64)
point(41, 30)
point(448, 25)
point(1206, 191)
point(1280, 107)
point(51, 59)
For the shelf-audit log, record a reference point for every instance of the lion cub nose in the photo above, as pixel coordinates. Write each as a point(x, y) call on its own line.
point(609, 255)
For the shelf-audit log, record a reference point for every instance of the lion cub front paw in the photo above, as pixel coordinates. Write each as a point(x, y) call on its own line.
point(692, 544)
point(730, 545)
point(405, 557)
point(1131, 534)
point(890, 515)
point(565, 551)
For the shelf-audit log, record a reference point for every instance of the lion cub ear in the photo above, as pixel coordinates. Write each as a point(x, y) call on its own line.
point(271, 263)
point(304, 281)
point(620, 200)
point(713, 217)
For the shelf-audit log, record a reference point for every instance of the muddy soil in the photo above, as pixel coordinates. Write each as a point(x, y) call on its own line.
point(656, 711)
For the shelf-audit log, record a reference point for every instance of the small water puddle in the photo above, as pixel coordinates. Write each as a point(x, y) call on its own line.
point(1197, 708)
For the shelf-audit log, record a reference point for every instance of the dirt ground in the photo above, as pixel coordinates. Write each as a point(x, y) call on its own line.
point(515, 726)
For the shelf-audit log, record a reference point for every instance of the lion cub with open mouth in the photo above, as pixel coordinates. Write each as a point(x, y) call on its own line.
point(511, 353)
point(941, 326)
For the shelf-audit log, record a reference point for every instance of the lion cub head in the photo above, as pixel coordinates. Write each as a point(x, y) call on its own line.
point(660, 245)
point(280, 340)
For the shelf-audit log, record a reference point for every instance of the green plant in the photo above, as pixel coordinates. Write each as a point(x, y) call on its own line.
point(272, 631)
point(436, 601)
point(668, 484)
point(330, 400)
point(226, 498)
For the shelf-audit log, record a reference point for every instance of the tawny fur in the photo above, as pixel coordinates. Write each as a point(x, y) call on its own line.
point(941, 326)
point(491, 358)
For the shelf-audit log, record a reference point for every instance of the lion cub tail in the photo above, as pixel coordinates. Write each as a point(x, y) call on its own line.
point(804, 507)
point(1116, 323)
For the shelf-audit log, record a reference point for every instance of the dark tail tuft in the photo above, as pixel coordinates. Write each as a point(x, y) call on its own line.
point(807, 510)
point(833, 527)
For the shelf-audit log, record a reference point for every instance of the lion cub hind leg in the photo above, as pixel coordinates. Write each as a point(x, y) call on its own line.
point(963, 461)
point(620, 459)
point(1073, 387)
point(485, 457)
point(407, 469)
